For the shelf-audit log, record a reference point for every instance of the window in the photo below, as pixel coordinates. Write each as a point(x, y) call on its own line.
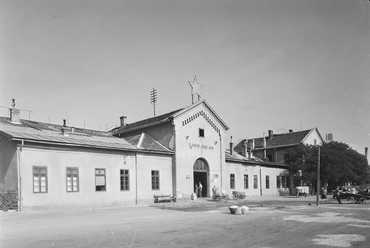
point(72, 179)
point(246, 181)
point(288, 181)
point(125, 180)
point(232, 181)
point(155, 180)
point(255, 182)
point(284, 181)
point(278, 182)
point(267, 181)
point(40, 179)
point(314, 142)
point(100, 183)
point(201, 132)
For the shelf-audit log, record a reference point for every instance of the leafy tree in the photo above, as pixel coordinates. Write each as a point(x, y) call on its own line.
point(339, 164)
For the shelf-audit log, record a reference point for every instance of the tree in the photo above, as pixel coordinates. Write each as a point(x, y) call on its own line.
point(339, 164)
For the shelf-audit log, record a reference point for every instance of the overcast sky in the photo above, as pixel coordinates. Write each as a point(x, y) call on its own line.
point(264, 65)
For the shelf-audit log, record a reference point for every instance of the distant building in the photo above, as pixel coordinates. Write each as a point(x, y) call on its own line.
point(273, 147)
point(56, 166)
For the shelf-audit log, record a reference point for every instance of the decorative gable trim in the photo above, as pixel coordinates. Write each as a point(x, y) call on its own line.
point(205, 104)
point(203, 114)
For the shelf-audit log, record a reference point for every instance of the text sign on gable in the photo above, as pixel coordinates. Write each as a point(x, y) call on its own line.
point(191, 145)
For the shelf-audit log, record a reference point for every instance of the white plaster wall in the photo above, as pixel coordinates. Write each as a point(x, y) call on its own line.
point(87, 160)
point(189, 149)
point(147, 163)
point(310, 140)
point(240, 170)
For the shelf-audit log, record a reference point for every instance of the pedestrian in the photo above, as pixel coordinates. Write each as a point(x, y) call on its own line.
point(196, 189)
point(200, 187)
point(337, 195)
point(324, 193)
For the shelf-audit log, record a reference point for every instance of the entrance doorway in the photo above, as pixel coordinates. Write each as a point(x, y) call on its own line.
point(201, 175)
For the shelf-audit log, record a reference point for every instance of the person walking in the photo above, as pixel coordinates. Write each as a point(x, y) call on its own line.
point(200, 187)
point(324, 193)
point(337, 195)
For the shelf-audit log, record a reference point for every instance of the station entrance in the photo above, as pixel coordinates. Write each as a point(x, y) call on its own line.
point(201, 175)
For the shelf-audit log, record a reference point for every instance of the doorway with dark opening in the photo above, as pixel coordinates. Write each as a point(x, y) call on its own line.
point(201, 176)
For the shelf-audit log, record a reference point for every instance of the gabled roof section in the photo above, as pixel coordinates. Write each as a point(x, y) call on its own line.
point(207, 106)
point(145, 142)
point(45, 133)
point(237, 158)
point(145, 123)
point(285, 139)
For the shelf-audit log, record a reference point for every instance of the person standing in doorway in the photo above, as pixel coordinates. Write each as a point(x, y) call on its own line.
point(200, 189)
point(196, 189)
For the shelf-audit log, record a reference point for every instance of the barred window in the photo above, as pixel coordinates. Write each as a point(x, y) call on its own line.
point(72, 179)
point(155, 180)
point(267, 181)
point(232, 181)
point(246, 183)
point(125, 180)
point(278, 182)
point(255, 182)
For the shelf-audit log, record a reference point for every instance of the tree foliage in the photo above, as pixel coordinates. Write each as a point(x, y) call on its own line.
point(339, 164)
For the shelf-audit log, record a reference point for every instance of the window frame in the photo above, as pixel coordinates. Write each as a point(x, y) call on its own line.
point(123, 177)
point(72, 175)
point(278, 182)
point(105, 179)
point(39, 180)
point(155, 178)
point(202, 133)
point(255, 181)
point(232, 181)
point(246, 181)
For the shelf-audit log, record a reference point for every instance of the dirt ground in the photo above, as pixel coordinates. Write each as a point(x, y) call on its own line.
point(270, 222)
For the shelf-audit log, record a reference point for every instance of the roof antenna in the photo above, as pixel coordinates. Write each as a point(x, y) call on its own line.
point(153, 98)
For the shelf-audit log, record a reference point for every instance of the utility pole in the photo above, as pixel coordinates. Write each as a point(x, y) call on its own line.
point(153, 98)
point(318, 177)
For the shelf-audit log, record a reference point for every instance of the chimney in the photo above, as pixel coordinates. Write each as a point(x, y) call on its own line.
point(65, 129)
point(231, 145)
point(290, 130)
point(366, 152)
point(123, 121)
point(15, 116)
point(271, 133)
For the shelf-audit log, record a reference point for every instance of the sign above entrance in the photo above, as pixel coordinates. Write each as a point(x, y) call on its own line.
point(191, 145)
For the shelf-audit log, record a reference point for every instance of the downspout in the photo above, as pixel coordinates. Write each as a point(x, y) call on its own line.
point(220, 162)
point(19, 150)
point(261, 180)
point(136, 193)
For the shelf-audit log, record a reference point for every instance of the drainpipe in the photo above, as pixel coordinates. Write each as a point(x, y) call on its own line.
point(261, 180)
point(19, 150)
point(136, 193)
point(220, 163)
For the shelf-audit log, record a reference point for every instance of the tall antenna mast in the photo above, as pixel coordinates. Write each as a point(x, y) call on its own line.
point(153, 98)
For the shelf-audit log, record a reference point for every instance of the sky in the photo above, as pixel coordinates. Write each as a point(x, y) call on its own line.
point(264, 65)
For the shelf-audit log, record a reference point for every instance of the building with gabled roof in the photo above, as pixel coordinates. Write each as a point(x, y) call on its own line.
point(273, 146)
point(57, 166)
